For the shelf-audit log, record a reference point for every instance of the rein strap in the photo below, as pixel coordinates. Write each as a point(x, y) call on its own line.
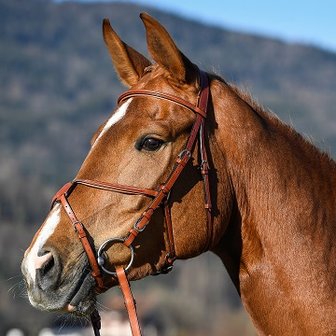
point(129, 301)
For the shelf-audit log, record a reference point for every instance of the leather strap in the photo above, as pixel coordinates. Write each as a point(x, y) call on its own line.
point(205, 167)
point(95, 322)
point(165, 96)
point(171, 256)
point(129, 301)
point(82, 235)
point(124, 189)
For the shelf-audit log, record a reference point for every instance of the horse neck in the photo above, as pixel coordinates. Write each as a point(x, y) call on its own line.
point(280, 241)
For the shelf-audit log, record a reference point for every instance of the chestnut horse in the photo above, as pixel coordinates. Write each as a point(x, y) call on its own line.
point(273, 208)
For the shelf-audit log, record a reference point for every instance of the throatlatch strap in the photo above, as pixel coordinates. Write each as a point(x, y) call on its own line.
point(129, 301)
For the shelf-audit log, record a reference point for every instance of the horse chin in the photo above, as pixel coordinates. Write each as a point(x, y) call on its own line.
point(83, 300)
point(78, 298)
point(83, 308)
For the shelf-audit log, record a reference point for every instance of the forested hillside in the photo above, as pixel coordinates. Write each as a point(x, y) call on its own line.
point(57, 85)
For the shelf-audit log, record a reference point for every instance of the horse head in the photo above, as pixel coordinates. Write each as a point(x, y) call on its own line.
point(134, 153)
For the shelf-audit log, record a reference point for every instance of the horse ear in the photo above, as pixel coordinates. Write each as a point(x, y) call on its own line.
point(128, 63)
point(165, 52)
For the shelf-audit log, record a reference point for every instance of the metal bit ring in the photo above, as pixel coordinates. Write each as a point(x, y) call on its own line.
point(101, 259)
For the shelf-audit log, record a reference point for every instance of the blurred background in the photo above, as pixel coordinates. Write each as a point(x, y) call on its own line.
point(57, 85)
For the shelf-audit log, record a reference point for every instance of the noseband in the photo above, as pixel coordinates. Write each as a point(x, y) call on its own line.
point(159, 196)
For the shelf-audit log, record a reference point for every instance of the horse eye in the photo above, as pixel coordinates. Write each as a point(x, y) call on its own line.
point(151, 144)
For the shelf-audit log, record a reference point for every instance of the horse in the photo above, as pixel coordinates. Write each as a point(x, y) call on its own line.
point(189, 163)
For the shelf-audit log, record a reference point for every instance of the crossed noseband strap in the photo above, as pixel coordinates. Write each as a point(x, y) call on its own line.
point(159, 196)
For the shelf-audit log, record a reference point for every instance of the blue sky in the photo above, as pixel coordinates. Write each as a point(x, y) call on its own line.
point(309, 21)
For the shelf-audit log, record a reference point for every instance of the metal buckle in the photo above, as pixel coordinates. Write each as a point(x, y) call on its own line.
point(135, 226)
point(183, 153)
point(101, 258)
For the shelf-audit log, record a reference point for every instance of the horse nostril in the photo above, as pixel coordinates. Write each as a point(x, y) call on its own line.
point(46, 271)
point(40, 261)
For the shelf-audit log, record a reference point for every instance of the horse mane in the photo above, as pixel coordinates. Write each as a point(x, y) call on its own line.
point(271, 119)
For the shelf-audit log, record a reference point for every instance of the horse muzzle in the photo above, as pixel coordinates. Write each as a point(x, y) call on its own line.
point(49, 288)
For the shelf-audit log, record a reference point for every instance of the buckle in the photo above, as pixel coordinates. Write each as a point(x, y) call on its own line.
point(183, 153)
point(135, 226)
point(65, 190)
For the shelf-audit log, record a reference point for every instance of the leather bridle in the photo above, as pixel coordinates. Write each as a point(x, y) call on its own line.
point(159, 196)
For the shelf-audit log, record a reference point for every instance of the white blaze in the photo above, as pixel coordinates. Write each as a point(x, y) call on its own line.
point(116, 116)
point(47, 230)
